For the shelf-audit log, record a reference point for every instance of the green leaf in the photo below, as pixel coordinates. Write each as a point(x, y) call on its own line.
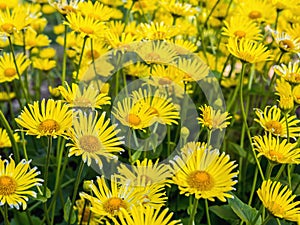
point(136, 155)
point(245, 212)
point(225, 212)
point(21, 218)
point(41, 197)
point(67, 209)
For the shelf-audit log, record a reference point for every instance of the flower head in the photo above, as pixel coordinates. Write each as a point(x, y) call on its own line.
point(279, 200)
point(16, 182)
point(290, 72)
point(205, 173)
point(51, 118)
point(93, 138)
point(4, 138)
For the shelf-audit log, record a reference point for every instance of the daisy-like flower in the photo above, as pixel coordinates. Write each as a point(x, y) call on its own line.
point(108, 201)
point(96, 10)
point(241, 27)
point(120, 41)
point(213, 119)
point(138, 69)
point(178, 9)
point(85, 215)
point(156, 52)
point(192, 69)
point(162, 107)
point(286, 98)
point(32, 39)
point(85, 26)
point(279, 200)
point(272, 121)
point(16, 182)
point(276, 150)
point(79, 97)
point(65, 6)
point(4, 138)
point(183, 46)
point(51, 118)
point(248, 50)
point(205, 173)
point(296, 93)
point(8, 71)
point(133, 115)
point(43, 64)
point(290, 72)
point(157, 31)
point(4, 96)
point(286, 43)
point(93, 138)
point(147, 216)
point(8, 4)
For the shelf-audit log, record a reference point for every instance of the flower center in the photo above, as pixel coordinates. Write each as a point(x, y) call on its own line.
point(164, 81)
point(274, 126)
point(90, 143)
point(8, 27)
point(48, 125)
point(8, 185)
point(82, 102)
point(153, 57)
point(3, 6)
point(275, 156)
point(133, 119)
point(276, 209)
point(286, 44)
point(93, 53)
point(154, 111)
point(86, 30)
point(68, 9)
point(114, 204)
point(200, 180)
point(10, 72)
point(254, 15)
point(240, 33)
point(295, 77)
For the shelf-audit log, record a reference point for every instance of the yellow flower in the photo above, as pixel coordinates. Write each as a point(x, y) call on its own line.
point(65, 6)
point(4, 96)
point(205, 173)
point(83, 97)
point(284, 90)
point(4, 138)
point(156, 31)
point(241, 27)
point(178, 9)
point(279, 200)
point(84, 212)
point(121, 41)
point(107, 202)
point(290, 73)
point(47, 53)
point(162, 107)
point(138, 69)
point(183, 46)
point(51, 118)
point(96, 10)
point(276, 150)
point(94, 138)
point(146, 216)
point(16, 182)
point(142, 6)
point(86, 26)
point(32, 39)
point(286, 43)
point(296, 93)
point(8, 4)
point(213, 119)
point(272, 121)
point(248, 51)
point(43, 64)
point(8, 70)
point(133, 115)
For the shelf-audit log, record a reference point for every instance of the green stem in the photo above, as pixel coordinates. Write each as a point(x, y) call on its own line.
point(46, 172)
point(269, 170)
point(277, 17)
point(77, 182)
point(17, 69)
point(6, 220)
point(209, 133)
point(211, 12)
point(253, 186)
point(207, 212)
point(24, 51)
point(169, 140)
point(281, 169)
point(289, 176)
point(194, 211)
point(245, 118)
point(64, 62)
point(9, 131)
point(267, 220)
point(80, 59)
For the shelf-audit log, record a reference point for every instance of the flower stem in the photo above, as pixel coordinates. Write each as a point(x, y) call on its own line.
point(76, 186)
point(211, 12)
point(64, 62)
point(80, 59)
point(207, 212)
point(194, 211)
point(6, 221)
point(245, 118)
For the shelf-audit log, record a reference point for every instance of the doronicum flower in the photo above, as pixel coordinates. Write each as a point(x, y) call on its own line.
point(4, 138)
point(16, 182)
point(272, 121)
point(92, 137)
point(276, 150)
point(279, 200)
point(84, 212)
point(204, 173)
point(284, 91)
point(8, 70)
point(43, 64)
point(146, 216)
point(213, 119)
point(248, 50)
point(156, 31)
point(286, 43)
point(51, 118)
point(290, 72)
